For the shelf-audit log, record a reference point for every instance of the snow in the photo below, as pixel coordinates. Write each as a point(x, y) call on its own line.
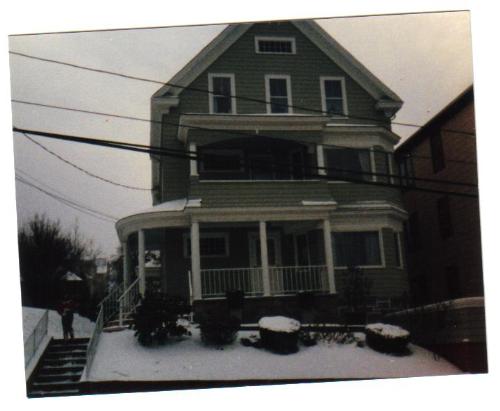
point(82, 326)
point(279, 324)
point(387, 330)
point(120, 357)
point(69, 276)
point(172, 205)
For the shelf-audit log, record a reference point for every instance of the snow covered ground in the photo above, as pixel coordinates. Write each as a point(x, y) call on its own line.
point(120, 357)
point(82, 326)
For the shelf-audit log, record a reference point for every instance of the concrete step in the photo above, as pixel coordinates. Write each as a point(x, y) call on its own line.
point(58, 377)
point(52, 393)
point(61, 362)
point(47, 369)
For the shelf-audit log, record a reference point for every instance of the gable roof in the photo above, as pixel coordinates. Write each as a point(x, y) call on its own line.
point(311, 30)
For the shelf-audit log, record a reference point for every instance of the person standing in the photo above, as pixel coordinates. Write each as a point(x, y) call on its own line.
point(66, 310)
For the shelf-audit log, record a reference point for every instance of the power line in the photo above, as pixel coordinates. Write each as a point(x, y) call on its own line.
point(82, 169)
point(166, 153)
point(175, 124)
point(68, 202)
point(205, 91)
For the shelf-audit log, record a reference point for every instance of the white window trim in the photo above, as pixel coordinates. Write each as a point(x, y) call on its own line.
point(380, 242)
point(275, 38)
point(225, 236)
point(231, 76)
point(223, 151)
point(268, 77)
point(344, 95)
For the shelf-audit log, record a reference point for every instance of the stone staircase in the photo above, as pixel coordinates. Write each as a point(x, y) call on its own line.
point(60, 369)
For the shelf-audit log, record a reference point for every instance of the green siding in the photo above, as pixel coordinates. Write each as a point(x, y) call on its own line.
point(346, 193)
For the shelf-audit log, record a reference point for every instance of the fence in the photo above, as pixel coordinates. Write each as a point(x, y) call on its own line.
point(294, 279)
point(216, 282)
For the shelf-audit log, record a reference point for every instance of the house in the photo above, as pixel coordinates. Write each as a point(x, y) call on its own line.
point(444, 239)
point(278, 180)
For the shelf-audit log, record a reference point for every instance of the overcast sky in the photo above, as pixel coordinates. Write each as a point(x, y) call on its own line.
point(425, 59)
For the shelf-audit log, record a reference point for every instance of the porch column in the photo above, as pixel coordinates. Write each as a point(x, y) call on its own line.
point(126, 270)
point(142, 269)
point(327, 240)
point(320, 159)
point(266, 283)
point(193, 163)
point(195, 260)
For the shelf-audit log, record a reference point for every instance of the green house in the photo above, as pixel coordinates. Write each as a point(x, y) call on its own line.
point(279, 179)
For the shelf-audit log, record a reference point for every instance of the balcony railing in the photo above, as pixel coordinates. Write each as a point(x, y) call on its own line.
point(283, 280)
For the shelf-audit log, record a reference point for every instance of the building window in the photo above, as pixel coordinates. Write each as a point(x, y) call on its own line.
point(278, 94)
point(275, 45)
point(211, 245)
point(444, 217)
point(221, 161)
point(398, 250)
point(357, 249)
point(221, 94)
point(333, 96)
point(348, 163)
point(437, 152)
point(406, 171)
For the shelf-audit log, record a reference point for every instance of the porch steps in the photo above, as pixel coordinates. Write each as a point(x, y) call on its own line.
point(60, 369)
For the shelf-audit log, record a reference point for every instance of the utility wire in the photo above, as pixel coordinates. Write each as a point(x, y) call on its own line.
point(176, 124)
point(68, 202)
point(82, 169)
point(205, 91)
point(166, 153)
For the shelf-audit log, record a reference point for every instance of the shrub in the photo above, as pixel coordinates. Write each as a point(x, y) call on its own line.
point(279, 334)
point(156, 319)
point(219, 330)
point(387, 338)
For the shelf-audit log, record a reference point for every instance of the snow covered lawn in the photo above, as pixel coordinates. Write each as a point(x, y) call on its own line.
point(120, 357)
point(82, 326)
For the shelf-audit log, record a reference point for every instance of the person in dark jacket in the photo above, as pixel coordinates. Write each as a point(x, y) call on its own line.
point(66, 310)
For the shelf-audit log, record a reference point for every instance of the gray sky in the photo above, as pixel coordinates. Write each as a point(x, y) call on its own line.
point(425, 59)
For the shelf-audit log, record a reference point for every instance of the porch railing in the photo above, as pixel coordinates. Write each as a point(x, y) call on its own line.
point(110, 305)
point(216, 282)
point(94, 340)
point(128, 300)
point(35, 338)
point(294, 279)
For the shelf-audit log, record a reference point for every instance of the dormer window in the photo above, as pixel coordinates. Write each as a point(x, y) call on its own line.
point(278, 94)
point(275, 45)
point(221, 94)
point(333, 96)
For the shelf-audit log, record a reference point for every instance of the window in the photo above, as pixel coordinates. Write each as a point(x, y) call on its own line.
point(221, 161)
point(406, 171)
point(357, 249)
point(211, 245)
point(221, 94)
point(278, 94)
point(444, 217)
point(382, 166)
point(398, 250)
point(437, 152)
point(333, 96)
point(349, 163)
point(275, 45)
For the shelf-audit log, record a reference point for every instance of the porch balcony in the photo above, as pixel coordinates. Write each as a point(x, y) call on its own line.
point(283, 280)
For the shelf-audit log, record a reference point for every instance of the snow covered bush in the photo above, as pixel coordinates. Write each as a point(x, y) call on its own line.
point(279, 334)
point(387, 338)
point(219, 330)
point(157, 318)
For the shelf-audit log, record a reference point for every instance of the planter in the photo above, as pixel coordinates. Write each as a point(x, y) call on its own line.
point(387, 338)
point(279, 334)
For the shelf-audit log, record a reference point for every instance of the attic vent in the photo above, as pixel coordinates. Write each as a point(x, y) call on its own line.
point(275, 45)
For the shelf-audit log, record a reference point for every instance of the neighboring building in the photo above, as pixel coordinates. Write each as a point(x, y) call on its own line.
point(267, 203)
point(444, 240)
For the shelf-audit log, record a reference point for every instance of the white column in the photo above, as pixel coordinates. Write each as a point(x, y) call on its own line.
point(327, 239)
point(266, 283)
point(193, 163)
point(320, 157)
point(195, 260)
point(126, 270)
point(142, 269)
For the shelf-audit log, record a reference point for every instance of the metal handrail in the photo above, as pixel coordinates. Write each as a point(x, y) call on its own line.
point(128, 300)
point(94, 340)
point(35, 338)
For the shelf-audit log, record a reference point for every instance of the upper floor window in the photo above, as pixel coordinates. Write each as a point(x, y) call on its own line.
point(275, 45)
point(333, 96)
point(221, 160)
point(355, 249)
point(278, 94)
point(348, 163)
point(221, 94)
point(437, 152)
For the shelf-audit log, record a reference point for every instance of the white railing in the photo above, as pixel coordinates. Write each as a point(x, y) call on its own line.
point(128, 300)
point(35, 338)
point(110, 305)
point(94, 340)
point(294, 279)
point(216, 282)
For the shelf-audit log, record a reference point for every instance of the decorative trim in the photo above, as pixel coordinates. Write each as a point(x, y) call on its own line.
point(274, 38)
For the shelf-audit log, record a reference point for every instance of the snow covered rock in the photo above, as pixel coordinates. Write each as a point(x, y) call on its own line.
point(387, 338)
point(279, 334)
